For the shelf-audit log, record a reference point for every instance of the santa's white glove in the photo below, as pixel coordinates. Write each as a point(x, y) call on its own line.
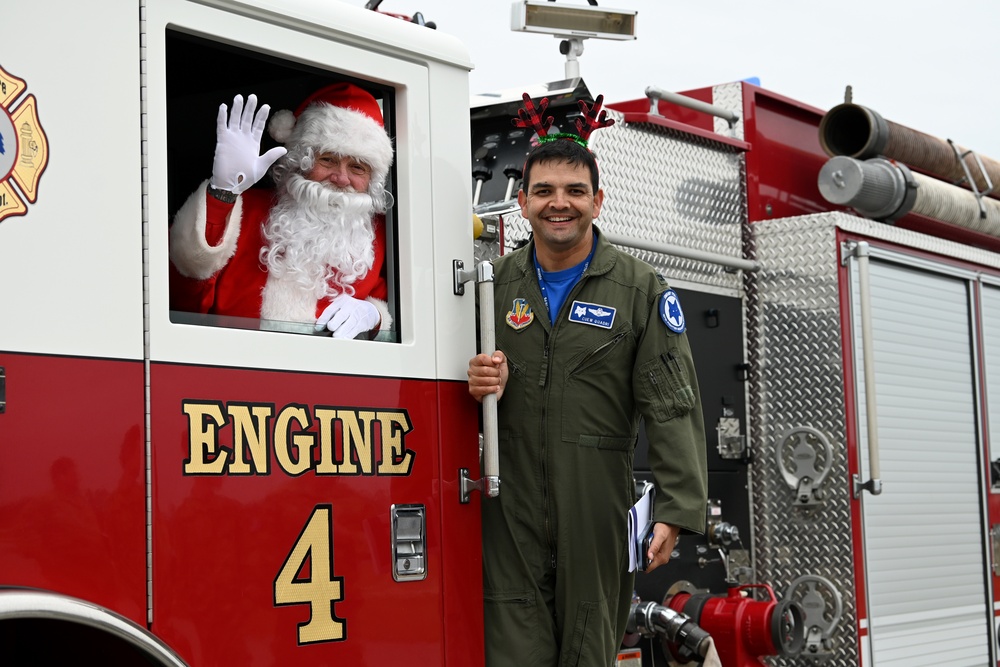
point(238, 162)
point(346, 317)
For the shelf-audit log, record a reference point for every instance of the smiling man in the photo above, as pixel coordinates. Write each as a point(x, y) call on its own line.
point(586, 345)
point(313, 250)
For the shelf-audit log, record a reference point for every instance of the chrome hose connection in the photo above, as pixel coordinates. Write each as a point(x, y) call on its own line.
point(651, 619)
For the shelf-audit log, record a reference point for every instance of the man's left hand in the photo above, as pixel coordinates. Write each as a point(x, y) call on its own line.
point(662, 544)
point(346, 317)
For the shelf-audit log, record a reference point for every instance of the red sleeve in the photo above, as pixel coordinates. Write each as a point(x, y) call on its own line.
point(198, 296)
point(379, 289)
point(190, 295)
point(216, 216)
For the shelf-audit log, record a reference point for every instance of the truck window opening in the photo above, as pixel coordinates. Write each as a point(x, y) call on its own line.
point(195, 89)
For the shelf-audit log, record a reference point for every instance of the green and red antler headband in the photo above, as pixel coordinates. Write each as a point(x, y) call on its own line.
point(594, 118)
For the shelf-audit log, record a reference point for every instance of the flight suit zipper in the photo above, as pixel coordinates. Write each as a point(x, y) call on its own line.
point(543, 382)
point(593, 357)
point(544, 457)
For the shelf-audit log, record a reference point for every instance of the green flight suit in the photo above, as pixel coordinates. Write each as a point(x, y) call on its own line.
point(556, 581)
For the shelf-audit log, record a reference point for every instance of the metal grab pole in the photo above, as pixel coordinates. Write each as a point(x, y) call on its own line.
point(487, 344)
point(874, 484)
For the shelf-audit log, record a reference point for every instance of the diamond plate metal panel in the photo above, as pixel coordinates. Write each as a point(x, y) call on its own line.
point(486, 250)
point(911, 239)
point(797, 381)
point(670, 187)
point(729, 96)
point(667, 187)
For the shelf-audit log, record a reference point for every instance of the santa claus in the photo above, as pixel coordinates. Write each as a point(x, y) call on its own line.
point(312, 250)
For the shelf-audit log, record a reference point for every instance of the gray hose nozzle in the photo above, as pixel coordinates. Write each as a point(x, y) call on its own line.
point(649, 618)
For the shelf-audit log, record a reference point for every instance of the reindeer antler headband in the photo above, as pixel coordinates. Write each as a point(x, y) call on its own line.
point(594, 118)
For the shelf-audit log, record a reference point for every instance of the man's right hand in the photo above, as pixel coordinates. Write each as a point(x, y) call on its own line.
point(238, 163)
point(488, 375)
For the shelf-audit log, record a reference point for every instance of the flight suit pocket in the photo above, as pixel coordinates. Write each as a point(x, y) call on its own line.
point(591, 639)
point(604, 442)
point(607, 350)
point(668, 387)
point(512, 624)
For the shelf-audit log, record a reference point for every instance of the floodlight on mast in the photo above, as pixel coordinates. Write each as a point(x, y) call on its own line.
point(573, 24)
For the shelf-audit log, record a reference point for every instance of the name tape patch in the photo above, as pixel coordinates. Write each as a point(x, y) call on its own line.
point(593, 314)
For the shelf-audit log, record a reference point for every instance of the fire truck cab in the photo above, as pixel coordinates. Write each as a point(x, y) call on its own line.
point(219, 491)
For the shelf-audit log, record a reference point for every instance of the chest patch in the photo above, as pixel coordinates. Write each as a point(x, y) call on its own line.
point(671, 313)
point(520, 315)
point(593, 314)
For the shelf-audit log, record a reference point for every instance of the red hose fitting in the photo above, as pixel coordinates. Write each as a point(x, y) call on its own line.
point(744, 629)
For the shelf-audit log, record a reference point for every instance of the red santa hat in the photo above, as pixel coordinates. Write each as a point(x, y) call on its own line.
point(340, 118)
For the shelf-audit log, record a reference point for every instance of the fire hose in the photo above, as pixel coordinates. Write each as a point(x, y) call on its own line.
point(855, 131)
point(883, 190)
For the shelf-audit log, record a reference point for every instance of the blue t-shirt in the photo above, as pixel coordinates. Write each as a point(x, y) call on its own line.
point(556, 285)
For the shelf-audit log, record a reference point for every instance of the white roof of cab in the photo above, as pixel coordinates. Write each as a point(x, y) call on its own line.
point(351, 24)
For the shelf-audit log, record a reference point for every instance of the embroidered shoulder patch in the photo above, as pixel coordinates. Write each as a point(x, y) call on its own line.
point(593, 314)
point(520, 315)
point(671, 313)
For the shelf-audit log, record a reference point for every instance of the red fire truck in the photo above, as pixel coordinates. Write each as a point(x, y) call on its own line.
point(188, 490)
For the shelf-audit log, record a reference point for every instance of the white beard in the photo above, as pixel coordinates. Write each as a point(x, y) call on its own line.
point(319, 242)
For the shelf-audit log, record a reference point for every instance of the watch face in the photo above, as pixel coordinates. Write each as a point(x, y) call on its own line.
point(222, 195)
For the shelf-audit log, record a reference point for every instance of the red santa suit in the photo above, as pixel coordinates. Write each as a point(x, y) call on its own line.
point(215, 247)
point(227, 277)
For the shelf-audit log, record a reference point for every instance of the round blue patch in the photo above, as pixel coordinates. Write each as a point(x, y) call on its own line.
point(671, 313)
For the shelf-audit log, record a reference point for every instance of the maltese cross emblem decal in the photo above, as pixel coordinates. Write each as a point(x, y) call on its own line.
point(24, 149)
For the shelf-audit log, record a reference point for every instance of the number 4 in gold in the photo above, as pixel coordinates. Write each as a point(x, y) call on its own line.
point(315, 586)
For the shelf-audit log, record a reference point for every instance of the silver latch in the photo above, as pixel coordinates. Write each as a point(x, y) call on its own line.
point(409, 542)
point(720, 534)
point(732, 444)
point(995, 548)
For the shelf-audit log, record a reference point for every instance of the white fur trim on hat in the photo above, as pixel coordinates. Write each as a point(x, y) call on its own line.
point(280, 126)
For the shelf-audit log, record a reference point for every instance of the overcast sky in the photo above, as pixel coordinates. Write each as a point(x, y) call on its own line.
point(931, 66)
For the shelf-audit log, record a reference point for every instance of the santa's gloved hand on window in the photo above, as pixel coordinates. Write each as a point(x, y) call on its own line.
point(347, 317)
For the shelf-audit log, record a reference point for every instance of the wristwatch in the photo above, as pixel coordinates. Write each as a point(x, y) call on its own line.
point(224, 196)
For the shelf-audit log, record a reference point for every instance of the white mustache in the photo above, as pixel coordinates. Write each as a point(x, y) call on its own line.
point(326, 195)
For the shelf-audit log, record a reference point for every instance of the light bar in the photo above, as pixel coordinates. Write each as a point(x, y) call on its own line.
point(572, 21)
